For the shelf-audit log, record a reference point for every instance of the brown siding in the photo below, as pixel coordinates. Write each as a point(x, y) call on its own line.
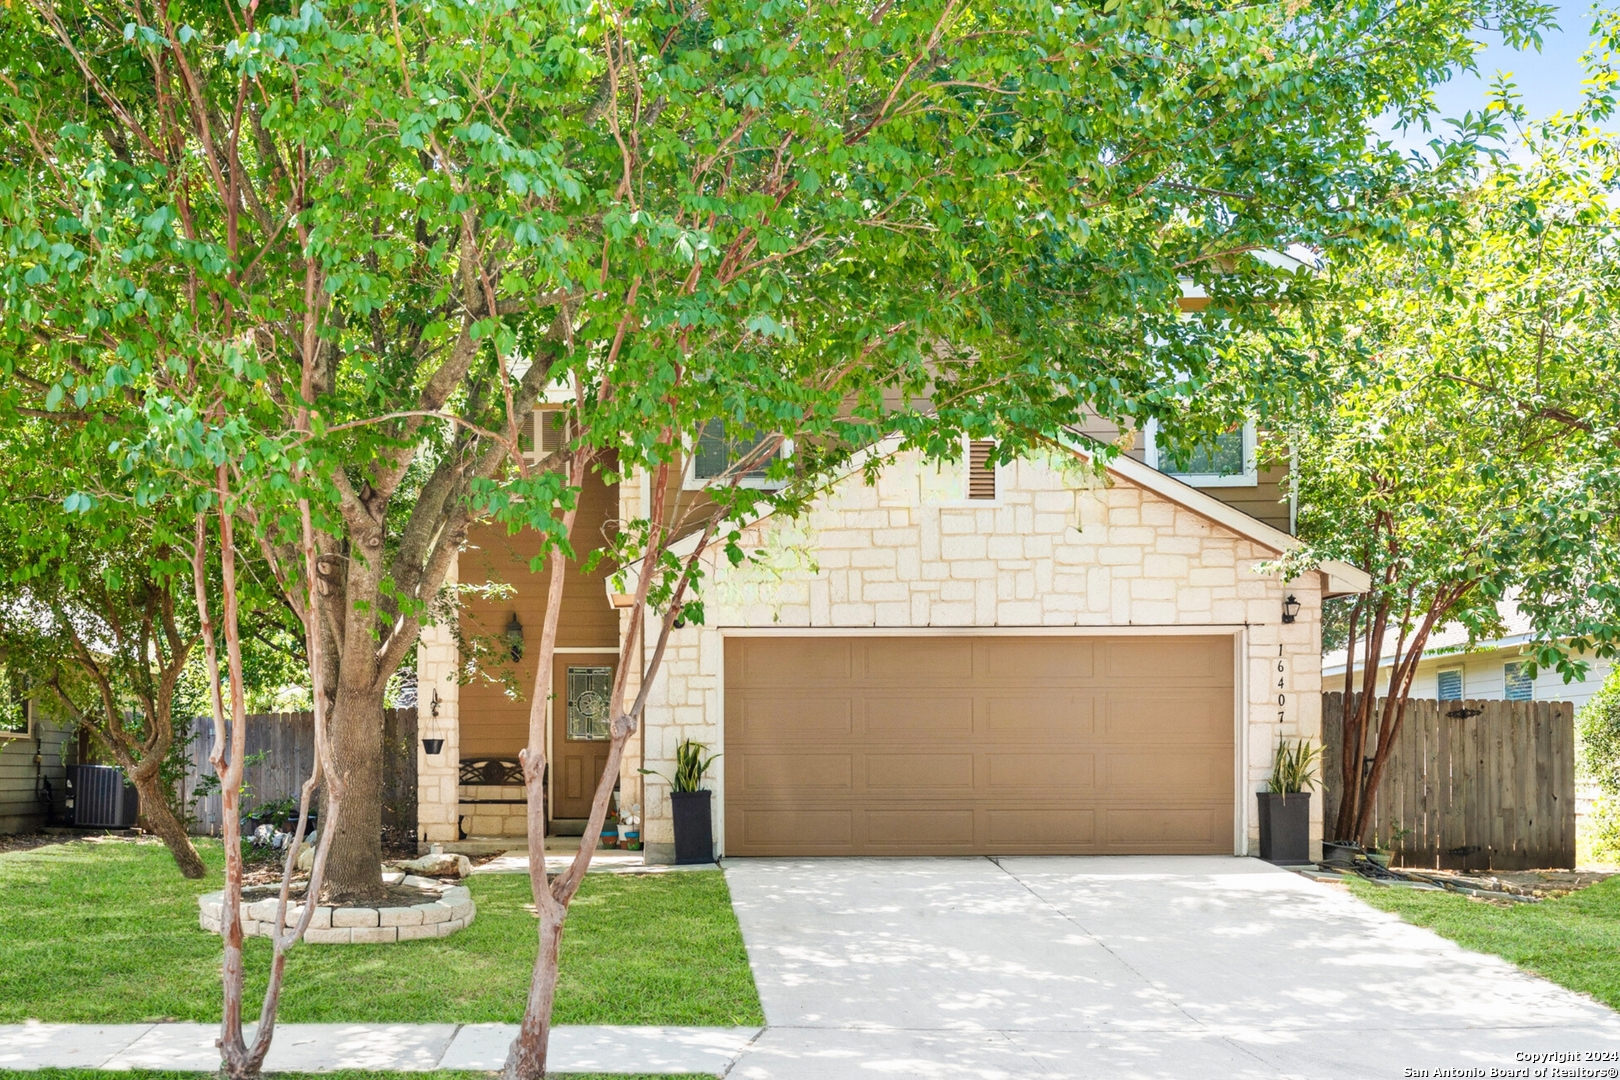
point(492, 724)
point(1267, 501)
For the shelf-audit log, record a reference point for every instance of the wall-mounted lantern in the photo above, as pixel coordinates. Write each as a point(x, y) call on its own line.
point(514, 637)
point(1290, 609)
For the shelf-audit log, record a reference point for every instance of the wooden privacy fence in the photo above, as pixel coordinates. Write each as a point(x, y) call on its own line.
point(1472, 785)
point(286, 742)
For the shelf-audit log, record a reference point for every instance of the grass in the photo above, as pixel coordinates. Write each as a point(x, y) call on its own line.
point(107, 933)
point(1573, 940)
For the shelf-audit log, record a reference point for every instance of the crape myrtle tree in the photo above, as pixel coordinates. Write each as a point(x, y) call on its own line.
point(89, 615)
point(831, 269)
point(408, 218)
point(1470, 450)
point(95, 599)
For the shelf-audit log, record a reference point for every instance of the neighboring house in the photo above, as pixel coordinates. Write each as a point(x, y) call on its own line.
point(1497, 669)
point(34, 754)
point(955, 660)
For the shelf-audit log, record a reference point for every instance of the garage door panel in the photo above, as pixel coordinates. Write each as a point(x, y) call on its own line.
point(811, 718)
point(1184, 774)
point(979, 744)
point(917, 661)
point(1042, 717)
point(1149, 829)
point(1010, 829)
point(1059, 773)
point(919, 829)
point(1166, 717)
point(765, 773)
point(794, 830)
point(1042, 660)
point(920, 774)
point(911, 715)
point(1197, 659)
point(776, 662)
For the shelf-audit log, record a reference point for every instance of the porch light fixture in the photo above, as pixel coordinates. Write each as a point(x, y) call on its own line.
point(1290, 609)
point(514, 637)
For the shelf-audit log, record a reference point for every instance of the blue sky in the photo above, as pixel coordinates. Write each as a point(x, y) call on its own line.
point(1548, 80)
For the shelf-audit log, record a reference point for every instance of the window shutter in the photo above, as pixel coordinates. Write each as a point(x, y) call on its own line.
point(981, 470)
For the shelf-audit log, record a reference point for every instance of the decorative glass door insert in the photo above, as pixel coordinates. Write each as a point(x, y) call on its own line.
point(589, 689)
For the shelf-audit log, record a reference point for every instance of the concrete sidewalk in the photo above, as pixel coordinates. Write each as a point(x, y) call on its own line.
point(394, 1047)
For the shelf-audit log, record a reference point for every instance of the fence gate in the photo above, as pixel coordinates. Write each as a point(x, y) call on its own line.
point(285, 743)
point(1471, 785)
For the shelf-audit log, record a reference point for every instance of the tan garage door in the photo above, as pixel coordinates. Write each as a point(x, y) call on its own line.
point(978, 745)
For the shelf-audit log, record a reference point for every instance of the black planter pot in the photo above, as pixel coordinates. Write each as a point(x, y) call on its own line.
point(694, 826)
point(1285, 827)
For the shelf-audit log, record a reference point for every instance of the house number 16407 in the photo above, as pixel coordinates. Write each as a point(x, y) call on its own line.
point(1282, 684)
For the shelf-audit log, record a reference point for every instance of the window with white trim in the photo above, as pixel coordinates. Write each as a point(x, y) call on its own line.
point(13, 705)
point(718, 452)
point(1228, 460)
point(1449, 684)
point(549, 431)
point(1517, 685)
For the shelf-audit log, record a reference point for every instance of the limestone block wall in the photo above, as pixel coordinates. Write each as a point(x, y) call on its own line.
point(437, 795)
point(1054, 549)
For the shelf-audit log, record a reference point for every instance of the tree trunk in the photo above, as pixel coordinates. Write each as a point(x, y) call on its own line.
point(354, 869)
point(155, 809)
point(526, 1060)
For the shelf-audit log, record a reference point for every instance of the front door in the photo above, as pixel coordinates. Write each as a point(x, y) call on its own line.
point(579, 717)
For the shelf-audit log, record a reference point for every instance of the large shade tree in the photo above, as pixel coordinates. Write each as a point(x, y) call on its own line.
point(413, 202)
point(1471, 449)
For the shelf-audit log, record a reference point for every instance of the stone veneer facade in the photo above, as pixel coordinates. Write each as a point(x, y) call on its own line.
point(438, 794)
point(1057, 551)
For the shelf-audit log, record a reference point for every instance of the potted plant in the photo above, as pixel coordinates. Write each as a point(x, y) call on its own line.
point(1381, 856)
point(1285, 807)
point(630, 828)
point(691, 805)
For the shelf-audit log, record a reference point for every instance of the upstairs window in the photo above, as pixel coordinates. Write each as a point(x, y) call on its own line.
point(550, 432)
point(1450, 684)
point(720, 452)
point(1516, 683)
point(1228, 460)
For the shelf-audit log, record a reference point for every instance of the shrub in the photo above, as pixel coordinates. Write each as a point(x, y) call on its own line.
point(1597, 736)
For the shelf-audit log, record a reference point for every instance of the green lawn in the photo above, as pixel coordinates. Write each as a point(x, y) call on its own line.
point(1574, 940)
point(107, 933)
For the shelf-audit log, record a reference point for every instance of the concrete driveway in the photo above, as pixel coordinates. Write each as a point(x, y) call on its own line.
point(1190, 967)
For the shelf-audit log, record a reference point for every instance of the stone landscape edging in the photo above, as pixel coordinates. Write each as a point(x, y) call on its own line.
point(345, 925)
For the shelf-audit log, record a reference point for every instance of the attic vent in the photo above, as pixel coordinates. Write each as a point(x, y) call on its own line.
point(550, 431)
point(981, 470)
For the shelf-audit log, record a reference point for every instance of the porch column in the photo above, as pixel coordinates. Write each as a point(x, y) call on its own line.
point(437, 798)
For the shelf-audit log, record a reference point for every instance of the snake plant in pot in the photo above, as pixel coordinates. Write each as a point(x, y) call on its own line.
point(691, 806)
point(1285, 807)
